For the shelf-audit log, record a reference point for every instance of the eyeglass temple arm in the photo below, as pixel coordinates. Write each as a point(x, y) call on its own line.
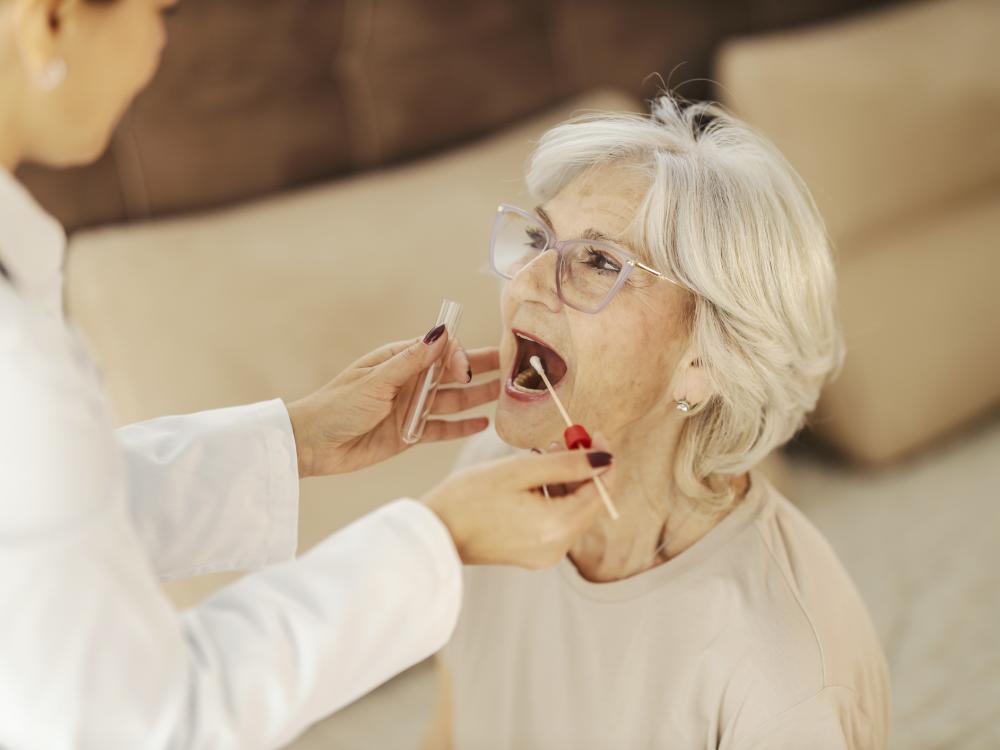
point(656, 273)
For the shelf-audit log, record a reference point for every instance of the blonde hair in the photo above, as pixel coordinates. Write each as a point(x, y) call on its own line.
point(727, 216)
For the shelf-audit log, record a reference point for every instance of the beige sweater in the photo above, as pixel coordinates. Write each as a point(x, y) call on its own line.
point(754, 637)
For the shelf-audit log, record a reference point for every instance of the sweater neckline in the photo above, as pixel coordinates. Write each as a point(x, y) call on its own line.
point(743, 515)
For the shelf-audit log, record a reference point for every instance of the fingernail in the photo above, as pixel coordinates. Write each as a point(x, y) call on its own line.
point(434, 334)
point(535, 450)
point(469, 374)
point(553, 446)
point(599, 459)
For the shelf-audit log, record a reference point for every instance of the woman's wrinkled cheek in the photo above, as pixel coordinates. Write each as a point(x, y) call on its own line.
point(633, 367)
point(613, 378)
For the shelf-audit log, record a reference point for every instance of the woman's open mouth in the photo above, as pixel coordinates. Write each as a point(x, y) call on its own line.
point(524, 383)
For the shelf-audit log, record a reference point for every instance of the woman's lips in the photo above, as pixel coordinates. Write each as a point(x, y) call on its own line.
point(519, 395)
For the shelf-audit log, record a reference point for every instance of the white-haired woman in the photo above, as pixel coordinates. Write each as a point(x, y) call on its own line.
point(676, 280)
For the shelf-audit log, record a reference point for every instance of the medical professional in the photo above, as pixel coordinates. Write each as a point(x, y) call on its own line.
point(92, 654)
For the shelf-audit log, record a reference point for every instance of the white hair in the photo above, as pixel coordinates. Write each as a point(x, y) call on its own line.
point(729, 218)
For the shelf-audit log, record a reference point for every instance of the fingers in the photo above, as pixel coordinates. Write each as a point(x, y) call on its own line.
point(437, 430)
point(454, 400)
point(476, 361)
point(384, 352)
point(459, 367)
point(600, 443)
point(483, 360)
point(411, 359)
point(564, 467)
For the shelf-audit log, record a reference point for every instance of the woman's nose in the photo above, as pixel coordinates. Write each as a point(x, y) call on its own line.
point(536, 282)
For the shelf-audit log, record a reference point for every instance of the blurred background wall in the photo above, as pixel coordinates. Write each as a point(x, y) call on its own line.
point(306, 179)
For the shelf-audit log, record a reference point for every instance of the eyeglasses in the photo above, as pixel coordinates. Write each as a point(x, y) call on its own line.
point(589, 272)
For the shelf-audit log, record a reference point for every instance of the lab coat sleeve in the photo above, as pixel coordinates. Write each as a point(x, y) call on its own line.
point(93, 656)
point(216, 490)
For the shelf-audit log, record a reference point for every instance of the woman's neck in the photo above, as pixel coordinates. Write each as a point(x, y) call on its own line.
point(657, 522)
point(9, 153)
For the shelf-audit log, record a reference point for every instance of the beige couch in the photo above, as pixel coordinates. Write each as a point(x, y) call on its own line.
point(271, 298)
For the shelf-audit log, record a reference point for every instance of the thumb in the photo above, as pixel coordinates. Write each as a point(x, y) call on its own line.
point(408, 363)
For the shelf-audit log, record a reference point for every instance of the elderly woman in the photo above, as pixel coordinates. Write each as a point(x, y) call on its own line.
point(675, 280)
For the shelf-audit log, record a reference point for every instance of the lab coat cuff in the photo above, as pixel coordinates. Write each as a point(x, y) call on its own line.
point(284, 482)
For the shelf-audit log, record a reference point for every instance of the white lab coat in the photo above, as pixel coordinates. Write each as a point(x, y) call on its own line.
point(92, 654)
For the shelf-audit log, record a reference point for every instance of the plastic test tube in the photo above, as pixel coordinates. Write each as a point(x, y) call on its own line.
point(428, 381)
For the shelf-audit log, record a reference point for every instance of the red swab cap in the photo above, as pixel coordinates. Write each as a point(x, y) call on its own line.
point(576, 437)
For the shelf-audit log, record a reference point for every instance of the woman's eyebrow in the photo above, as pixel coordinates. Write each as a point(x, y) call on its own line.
point(544, 216)
point(593, 234)
point(588, 234)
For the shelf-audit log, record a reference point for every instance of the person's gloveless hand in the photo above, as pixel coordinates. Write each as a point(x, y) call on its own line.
point(497, 514)
point(356, 419)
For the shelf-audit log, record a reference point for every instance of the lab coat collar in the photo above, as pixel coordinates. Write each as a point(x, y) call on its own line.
point(32, 245)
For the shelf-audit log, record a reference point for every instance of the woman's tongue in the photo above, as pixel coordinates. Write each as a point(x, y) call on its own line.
point(553, 365)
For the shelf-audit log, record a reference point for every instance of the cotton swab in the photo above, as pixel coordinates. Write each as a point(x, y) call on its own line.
point(572, 430)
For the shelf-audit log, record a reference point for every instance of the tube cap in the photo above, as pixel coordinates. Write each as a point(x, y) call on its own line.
point(576, 437)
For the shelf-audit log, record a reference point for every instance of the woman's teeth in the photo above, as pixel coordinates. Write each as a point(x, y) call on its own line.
point(529, 380)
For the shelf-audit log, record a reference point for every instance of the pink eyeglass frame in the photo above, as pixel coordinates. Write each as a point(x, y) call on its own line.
point(628, 262)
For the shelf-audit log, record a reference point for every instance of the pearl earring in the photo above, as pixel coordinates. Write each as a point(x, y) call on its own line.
point(52, 75)
point(683, 405)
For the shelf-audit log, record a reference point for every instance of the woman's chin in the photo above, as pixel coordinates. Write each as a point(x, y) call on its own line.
point(80, 153)
point(519, 432)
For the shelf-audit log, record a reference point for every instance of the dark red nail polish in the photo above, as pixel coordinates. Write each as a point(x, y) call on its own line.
point(434, 334)
point(599, 459)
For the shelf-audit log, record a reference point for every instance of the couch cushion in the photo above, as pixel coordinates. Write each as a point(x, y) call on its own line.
point(885, 114)
point(274, 298)
point(892, 119)
point(920, 310)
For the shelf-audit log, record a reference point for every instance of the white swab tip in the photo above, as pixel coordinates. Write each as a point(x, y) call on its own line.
point(535, 362)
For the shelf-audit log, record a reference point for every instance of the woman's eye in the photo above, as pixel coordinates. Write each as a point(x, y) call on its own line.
point(601, 261)
point(536, 239)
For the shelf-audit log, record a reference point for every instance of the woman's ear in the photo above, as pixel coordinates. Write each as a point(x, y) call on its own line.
point(691, 382)
point(36, 28)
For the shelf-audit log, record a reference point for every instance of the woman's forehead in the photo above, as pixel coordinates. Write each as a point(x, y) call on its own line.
point(603, 199)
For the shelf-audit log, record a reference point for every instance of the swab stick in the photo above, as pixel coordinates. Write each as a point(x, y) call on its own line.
point(536, 362)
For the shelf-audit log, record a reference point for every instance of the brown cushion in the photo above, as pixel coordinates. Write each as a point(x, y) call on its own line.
point(257, 96)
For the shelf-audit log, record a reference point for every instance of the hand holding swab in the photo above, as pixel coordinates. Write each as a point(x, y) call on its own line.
point(573, 436)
